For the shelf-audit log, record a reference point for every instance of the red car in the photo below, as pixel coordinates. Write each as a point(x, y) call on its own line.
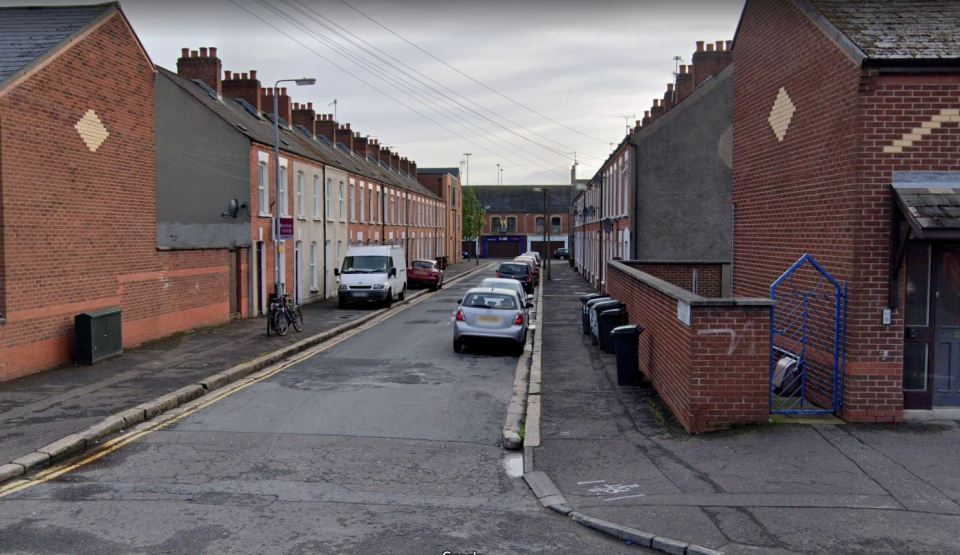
point(426, 273)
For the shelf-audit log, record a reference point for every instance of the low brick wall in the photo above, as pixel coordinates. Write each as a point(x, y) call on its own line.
point(702, 278)
point(711, 369)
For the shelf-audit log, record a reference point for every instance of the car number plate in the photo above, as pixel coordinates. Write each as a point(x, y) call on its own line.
point(361, 293)
point(488, 320)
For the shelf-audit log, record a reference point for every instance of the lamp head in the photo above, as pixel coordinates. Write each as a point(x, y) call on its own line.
point(305, 81)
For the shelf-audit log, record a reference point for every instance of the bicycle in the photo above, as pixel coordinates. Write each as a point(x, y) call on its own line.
point(281, 314)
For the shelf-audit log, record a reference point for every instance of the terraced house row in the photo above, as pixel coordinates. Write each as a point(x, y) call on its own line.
point(125, 185)
point(793, 203)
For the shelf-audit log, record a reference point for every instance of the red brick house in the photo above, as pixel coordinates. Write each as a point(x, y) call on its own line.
point(847, 147)
point(78, 191)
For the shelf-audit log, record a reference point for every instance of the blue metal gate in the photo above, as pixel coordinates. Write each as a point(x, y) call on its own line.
point(807, 340)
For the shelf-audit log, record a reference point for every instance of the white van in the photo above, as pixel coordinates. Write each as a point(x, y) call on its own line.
point(372, 273)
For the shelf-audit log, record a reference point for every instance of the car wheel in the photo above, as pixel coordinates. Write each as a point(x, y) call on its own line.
point(518, 348)
point(457, 346)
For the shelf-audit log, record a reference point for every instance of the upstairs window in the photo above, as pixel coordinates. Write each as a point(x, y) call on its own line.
point(299, 201)
point(263, 195)
point(342, 212)
point(329, 196)
point(284, 205)
point(317, 211)
point(511, 224)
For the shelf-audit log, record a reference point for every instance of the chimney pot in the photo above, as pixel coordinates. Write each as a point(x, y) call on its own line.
point(669, 87)
point(646, 113)
point(253, 74)
point(699, 46)
point(194, 54)
point(203, 51)
point(184, 52)
point(656, 102)
point(213, 51)
point(709, 48)
point(283, 91)
point(719, 46)
point(227, 75)
point(309, 105)
point(729, 45)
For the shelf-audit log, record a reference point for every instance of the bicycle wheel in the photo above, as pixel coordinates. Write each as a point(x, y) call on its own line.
point(281, 322)
point(297, 318)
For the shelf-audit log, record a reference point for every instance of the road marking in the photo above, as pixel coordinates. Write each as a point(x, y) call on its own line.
point(166, 419)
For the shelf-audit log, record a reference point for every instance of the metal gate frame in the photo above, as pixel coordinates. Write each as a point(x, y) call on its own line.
point(794, 327)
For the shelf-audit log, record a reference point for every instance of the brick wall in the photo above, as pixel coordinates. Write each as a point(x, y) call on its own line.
point(712, 373)
point(709, 276)
point(80, 226)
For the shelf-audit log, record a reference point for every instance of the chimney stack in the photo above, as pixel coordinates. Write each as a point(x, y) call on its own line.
point(412, 169)
point(203, 65)
point(405, 165)
point(395, 162)
point(345, 136)
point(324, 126)
point(243, 85)
point(685, 83)
point(360, 145)
point(646, 118)
point(384, 156)
point(304, 114)
point(710, 62)
point(284, 108)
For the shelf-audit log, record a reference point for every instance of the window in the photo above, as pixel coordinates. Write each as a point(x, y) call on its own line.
point(363, 202)
point(263, 196)
point(393, 213)
point(453, 197)
point(328, 195)
point(342, 211)
point(495, 224)
point(377, 210)
point(511, 224)
point(555, 224)
point(316, 198)
point(299, 206)
point(313, 266)
point(284, 208)
point(370, 203)
point(352, 202)
point(539, 224)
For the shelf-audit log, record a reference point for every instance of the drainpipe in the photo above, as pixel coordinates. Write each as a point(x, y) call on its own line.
point(634, 191)
point(600, 241)
point(383, 215)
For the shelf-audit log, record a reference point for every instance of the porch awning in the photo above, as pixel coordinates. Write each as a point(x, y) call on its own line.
point(930, 203)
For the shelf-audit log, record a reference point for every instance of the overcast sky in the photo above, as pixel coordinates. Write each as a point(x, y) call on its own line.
point(582, 64)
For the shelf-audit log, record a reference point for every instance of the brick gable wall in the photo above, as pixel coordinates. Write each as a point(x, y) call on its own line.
point(79, 226)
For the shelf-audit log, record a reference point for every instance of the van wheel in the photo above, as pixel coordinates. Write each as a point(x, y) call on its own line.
point(403, 293)
point(389, 302)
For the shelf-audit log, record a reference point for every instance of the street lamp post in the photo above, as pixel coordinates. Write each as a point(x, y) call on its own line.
point(546, 229)
point(277, 284)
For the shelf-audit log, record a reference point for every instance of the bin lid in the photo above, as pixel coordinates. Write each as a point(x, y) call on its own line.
point(626, 330)
point(606, 305)
point(598, 300)
point(614, 311)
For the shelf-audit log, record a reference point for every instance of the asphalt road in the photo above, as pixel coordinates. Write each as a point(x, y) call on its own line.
point(386, 443)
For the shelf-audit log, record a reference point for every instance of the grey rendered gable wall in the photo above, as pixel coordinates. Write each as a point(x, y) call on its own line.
point(684, 210)
point(202, 163)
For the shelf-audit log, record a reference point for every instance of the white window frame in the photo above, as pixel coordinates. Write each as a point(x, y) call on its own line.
point(299, 200)
point(263, 189)
point(363, 201)
point(343, 214)
point(317, 210)
point(284, 204)
point(351, 200)
point(329, 197)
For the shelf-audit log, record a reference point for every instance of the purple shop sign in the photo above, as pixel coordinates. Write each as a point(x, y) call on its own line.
point(285, 229)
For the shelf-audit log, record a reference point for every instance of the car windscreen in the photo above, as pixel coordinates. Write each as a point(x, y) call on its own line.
point(496, 301)
point(365, 265)
point(423, 265)
point(514, 269)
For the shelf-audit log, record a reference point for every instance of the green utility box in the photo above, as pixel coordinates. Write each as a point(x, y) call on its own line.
point(98, 335)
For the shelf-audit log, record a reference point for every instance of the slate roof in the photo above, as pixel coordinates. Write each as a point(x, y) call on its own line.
point(522, 199)
point(455, 172)
point(897, 29)
point(930, 201)
point(294, 141)
point(27, 33)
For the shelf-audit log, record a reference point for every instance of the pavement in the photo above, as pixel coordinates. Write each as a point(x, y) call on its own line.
point(615, 454)
point(40, 409)
point(382, 440)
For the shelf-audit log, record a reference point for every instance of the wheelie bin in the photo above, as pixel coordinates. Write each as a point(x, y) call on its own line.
point(626, 339)
point(584, 314)
point(609, 319)
point(595, 310)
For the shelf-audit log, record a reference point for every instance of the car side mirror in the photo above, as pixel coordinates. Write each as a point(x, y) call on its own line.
point(393, 272)
point(459, 301)
point(336, 271)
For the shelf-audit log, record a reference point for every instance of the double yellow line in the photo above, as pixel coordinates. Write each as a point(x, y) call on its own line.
point(180, 413)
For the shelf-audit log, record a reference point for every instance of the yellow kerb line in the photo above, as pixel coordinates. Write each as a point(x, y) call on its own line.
point(176, 415)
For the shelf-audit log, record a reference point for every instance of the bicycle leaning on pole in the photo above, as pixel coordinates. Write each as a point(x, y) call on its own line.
point(283, 312)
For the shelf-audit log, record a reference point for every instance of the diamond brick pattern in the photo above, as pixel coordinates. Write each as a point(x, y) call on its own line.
point(91, 130)
point(781, 114)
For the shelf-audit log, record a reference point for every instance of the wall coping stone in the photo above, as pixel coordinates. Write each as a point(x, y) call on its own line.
point(678, 262)
point(688, 297)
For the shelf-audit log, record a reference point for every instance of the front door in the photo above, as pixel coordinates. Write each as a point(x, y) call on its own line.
point(946, 297)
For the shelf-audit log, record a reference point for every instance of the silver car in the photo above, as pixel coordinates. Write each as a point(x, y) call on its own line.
point(505, 283)
point(492, 314)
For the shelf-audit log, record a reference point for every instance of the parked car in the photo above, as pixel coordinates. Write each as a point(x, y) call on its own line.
point(374, 273)
point(519, 271)
point(534, 254)
point(562, 253)
point(491, 314)
point(426, 273)
point(533, 266)
point(506, 283)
